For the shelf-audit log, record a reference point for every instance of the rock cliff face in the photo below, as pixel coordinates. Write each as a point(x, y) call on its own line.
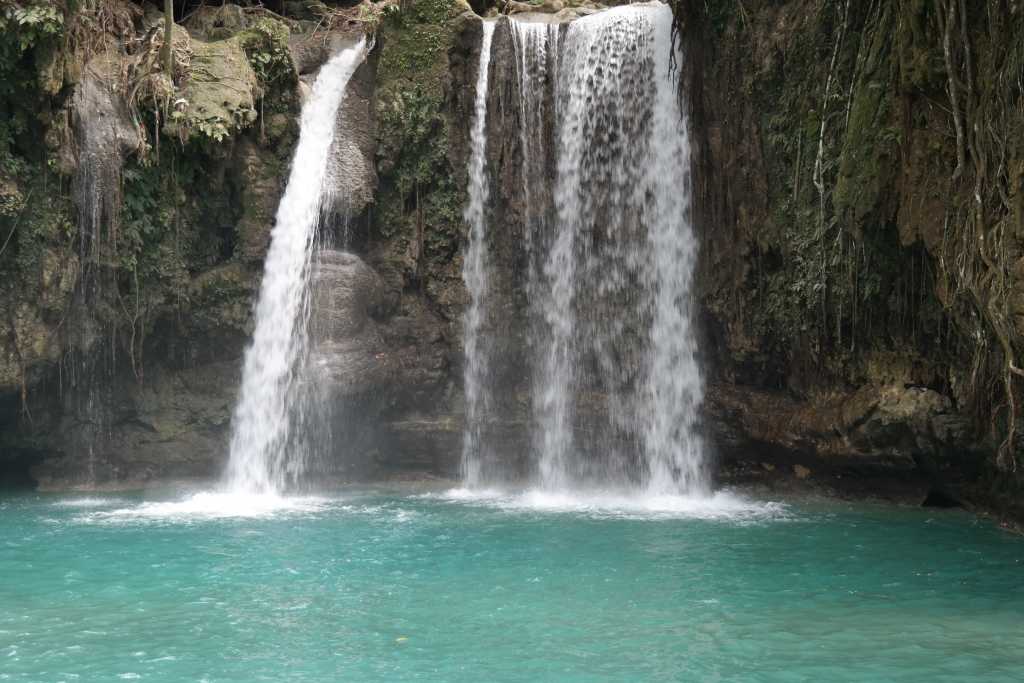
point(165, 196)
point(859, 172)
point(859, 241)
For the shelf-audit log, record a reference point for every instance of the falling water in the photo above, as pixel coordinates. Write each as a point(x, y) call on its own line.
point(474, 273)
point(536, 46)
point(264, 454)
point(104, 135)
point(673, 389)
point(536, 50)
point(610, 253)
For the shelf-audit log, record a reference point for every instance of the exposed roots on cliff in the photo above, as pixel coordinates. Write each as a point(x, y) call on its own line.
point(893, 178)
point(986, 113)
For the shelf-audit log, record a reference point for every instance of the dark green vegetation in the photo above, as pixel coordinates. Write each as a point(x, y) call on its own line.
point(190, 202)
point(422, 190)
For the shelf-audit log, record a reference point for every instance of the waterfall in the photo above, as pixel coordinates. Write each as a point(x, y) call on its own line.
point(474, 273)
point(536, 50)
point(616, 306)
point(266, 452)
point(610, 252)
point(673, 388)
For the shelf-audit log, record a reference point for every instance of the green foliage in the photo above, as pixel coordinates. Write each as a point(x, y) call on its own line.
point(218, 99)
point(415, 50)
point(832, 276)
point(146, 216)
point(415, 41)
point(46, 221)
point(24, 29)
point(266, 45)
point(423, 12)
point(33, 210)
point(414, 138)
point(26, 25)
point(419, 196)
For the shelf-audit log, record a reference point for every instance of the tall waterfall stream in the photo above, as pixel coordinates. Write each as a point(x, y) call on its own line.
point(474, 271)
point(610, 259)
point(266, 454)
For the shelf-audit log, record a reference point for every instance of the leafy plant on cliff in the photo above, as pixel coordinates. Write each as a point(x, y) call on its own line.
point(30, 213)
point(28, 24)
point(266, 45)
point(418, 197)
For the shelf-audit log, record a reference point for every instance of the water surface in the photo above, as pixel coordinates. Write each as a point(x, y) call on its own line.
point(393, 586)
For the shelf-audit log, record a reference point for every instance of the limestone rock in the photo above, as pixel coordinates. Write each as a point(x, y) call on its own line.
point(351, 172)
point(348, 353)
point(220, 94)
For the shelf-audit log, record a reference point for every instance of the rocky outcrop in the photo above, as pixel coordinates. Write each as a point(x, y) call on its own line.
point(352, 174)
point(129, 298)
point(33, 340)
point(874, 428)
point(174, 427)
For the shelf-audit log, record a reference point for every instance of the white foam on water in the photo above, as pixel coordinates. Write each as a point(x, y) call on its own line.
point(87, 502)
point(211, 505)
point(719, 506)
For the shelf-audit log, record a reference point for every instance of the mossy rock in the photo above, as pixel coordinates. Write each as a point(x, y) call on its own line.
point(220, 96)
point(415, 134)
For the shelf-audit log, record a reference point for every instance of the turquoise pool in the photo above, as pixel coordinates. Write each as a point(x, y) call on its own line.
point(399, 585)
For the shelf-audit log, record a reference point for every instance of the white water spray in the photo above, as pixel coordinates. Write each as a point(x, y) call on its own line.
point(474, 273)
point(263, 457)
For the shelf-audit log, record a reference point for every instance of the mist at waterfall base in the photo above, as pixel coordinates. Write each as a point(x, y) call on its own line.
point(610, 255)
point(406, 586)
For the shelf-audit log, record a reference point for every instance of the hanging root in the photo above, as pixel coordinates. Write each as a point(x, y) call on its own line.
point(947, 16)
point(819, 162)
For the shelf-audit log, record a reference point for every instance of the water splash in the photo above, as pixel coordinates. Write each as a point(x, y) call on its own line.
point(474, 273)
point(266, 455)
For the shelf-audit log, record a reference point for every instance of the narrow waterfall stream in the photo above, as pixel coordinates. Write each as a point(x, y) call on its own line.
point(474, 272)
point(266, 454)
point(610, 255)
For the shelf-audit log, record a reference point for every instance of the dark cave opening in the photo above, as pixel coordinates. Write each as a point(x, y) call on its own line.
point(16, 463)
point(16, 470)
